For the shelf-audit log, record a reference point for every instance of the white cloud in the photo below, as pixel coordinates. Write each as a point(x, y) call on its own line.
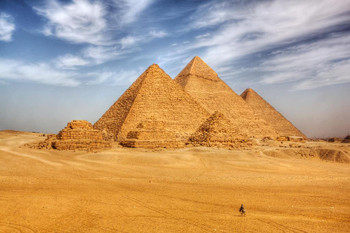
point(128, 41)
point(7, 27)
point(35, 72)
point(80, 21)
point(101, 54)
point(131, 9)
point(266, 25)
point(158, 34)
point(70, 61)
point(317, 64)
point(48, 73)
point(115, 78)
point(238, 30)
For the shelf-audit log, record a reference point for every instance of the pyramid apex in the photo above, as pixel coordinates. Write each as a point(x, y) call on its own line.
point(153, 66)
point(198, 68)
point(248, 91)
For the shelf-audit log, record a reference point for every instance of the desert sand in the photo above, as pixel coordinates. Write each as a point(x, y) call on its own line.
point(184, 190)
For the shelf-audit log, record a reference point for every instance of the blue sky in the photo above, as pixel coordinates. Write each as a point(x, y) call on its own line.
point(64, 60)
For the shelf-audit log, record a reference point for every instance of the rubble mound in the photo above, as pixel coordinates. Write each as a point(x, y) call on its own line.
point(152, 134)
point(218, 131)
point(346, 139)
point(327, 154)
point(77, 135)
point(205, 86)
point(265, 111)
point(153, 95)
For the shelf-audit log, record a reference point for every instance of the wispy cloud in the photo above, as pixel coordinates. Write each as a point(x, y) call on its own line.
point(235, 32)
point(316, 64)
point(265, 25)
point(13, 70)
point(131, 9)
point(7, 27)
point(48, 73)
point(99, 25)
point(115, 78)
point(70, 61)
point(80, 21)
point(158, 34)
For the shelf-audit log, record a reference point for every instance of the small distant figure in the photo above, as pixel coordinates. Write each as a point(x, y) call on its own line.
point(242, 210)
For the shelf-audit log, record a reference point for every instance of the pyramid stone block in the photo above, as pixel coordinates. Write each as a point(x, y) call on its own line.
point(265, 111)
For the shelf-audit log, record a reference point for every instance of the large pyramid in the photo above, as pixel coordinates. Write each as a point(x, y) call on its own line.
point(204, 85)
point(154, 95)
point(264, 110)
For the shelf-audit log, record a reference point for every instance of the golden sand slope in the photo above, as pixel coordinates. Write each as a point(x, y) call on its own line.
point(188, 190)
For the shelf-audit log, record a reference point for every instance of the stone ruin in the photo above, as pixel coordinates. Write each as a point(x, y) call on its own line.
point(77, 135)
point(196, 108)
point(218, 131)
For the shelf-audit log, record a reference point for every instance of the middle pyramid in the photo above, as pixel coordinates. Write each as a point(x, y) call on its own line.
point(205, 86)
point(154, 95)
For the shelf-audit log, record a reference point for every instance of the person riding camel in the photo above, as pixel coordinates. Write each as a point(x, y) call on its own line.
point(242, 210)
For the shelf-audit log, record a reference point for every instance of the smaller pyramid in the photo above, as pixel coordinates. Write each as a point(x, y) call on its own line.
point(265, 111)
point(152, 134)
point(78, 135)
point(218, 131)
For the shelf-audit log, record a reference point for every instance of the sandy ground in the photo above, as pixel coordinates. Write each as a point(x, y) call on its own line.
point(187, 190)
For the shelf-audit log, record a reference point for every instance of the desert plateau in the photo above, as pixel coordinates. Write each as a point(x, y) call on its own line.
point(185, 190)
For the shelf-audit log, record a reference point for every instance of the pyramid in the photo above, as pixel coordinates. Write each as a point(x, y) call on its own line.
point(205, 86)
point(77, 135)
point(152, 133)
point(264, 110)
point(154, 95)
point(218, 131)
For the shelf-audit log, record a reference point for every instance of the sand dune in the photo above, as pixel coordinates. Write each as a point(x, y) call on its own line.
point(186, 190)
